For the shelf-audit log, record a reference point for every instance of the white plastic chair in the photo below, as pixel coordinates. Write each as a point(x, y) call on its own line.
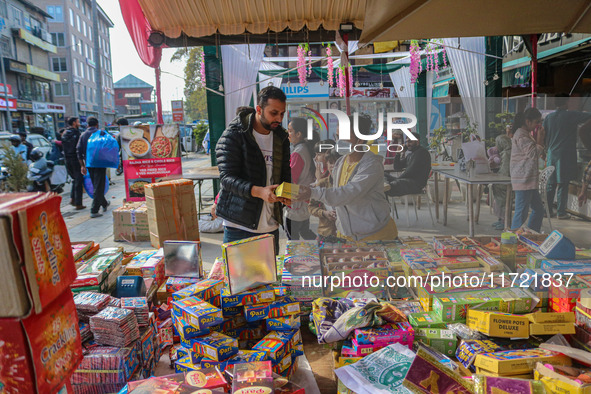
point(545, 174)
point(415, 199)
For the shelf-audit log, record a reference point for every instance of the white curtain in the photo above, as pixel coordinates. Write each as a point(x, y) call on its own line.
point(404, 89)
point(275, 81)
point(469, 70)
point(429, 99)
point(241, 66)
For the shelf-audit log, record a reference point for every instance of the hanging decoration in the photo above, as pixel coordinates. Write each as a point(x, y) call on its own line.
point(303, 50)
point(341, 81)
point(202, 71)
point(330, 66)
point(309, 62)
point(415, 60)
point(350, 78)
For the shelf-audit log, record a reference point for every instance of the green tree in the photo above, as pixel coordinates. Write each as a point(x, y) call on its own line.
point(17, 181)
point(195, 99)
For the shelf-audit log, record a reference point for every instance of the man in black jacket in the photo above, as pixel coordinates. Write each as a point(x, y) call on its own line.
point(70, 139)
point(417, 167)
point(253, 159)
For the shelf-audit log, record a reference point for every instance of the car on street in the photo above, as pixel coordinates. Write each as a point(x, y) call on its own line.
point(37, 140)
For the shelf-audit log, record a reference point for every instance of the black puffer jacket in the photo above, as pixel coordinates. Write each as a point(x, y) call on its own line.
point(70, 139)
point(242, 166)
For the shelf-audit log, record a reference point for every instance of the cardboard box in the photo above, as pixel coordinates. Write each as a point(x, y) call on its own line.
point(43, 265)
point(260, 295)
point(497, 324)
point(172, 211)
point(553, 382)
point(551, 328)
point(551, 317)
point(468, 350)
point(518, 361)
point(185, 365)
point(205, 289)
point(425, 320)
point(287, 323)
point(41, 351)
point(287, 190)
point(130, 222)
point(198, 313)
point(440, 339)
point(216, 346)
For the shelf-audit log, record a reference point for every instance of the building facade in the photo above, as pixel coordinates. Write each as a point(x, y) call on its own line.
point(26, 49)
point(80, 31)
point(134, 97)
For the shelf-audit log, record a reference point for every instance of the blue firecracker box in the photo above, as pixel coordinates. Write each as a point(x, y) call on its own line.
point(198, 313)
point(216, 346)
point(185, 365)
point(558, 247)
point(260, 295)
point(286, 323)
point(205, 289)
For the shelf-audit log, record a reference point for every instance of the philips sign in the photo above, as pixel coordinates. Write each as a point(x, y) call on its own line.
point(311, 90)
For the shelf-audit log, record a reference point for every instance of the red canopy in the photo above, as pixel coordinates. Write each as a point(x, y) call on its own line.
point(139, 29)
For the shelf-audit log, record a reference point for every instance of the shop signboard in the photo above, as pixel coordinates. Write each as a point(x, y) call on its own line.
point(150, 153)
point(313, 91)
point(3, 91)
point(177, 110)
point(11, 104)
point(370, 93)
point(48, 108)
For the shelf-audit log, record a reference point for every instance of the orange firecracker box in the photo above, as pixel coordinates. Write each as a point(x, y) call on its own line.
point(172, 212)
point(41, 265)
point(41, 352)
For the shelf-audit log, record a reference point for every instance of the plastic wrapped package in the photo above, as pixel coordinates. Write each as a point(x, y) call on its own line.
point(114, 327)
point(493, 384)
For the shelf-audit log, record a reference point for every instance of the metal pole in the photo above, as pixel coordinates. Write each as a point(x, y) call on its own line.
point(99, 68)
point(8, 116)
point(347, 86)
point(534, 68)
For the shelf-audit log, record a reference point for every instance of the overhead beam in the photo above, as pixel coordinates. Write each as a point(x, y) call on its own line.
point(581, 14)
point(392, 22)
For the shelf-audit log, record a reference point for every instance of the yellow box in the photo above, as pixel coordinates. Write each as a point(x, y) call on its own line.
point(498, 324)
point(555, 383)
point(551, 328)
point(551, 317)
point(518, 361)
point(496, 375)
point(287, 190)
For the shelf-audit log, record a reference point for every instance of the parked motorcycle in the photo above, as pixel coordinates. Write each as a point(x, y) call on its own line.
point(41, 174)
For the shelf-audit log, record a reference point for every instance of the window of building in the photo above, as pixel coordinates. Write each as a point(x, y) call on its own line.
point(61, 89)
point(82, 70)
point(119, 95)
point(56, 12)
point(76, 72)
point(58, 39)
point(72, 17)
point(17, 15)
point(78, 23)
point(78, 89)
point(3, 9)
point(27, 20)
point(78, 4)
point(85, 94)
point(74, 43)
point(80, 46)
point(59, 64)
point(90, 33)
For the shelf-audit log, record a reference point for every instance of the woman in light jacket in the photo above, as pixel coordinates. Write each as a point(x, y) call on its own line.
point(525, 154)
point(363, 210)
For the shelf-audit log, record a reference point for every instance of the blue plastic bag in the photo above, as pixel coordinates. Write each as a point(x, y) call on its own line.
point(102, 150)
point(90, 189)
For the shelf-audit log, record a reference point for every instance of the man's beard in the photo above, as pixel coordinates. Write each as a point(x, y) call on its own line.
point(266, 125)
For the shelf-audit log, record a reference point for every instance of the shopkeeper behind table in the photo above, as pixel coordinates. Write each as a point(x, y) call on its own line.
point(363, 210)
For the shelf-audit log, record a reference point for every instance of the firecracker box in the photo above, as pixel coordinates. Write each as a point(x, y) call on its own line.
point(246, 356)
point(255, 377)
point(176, 283)
point(553, 382)
point(232, 311)
point(185, 365)
point(468, 350)
point(283, 364)
point(172, 211)
point(288, 307)
point(564, 298)
point(35, 245)
point(205, 289)
point(153, 267)
point(233, 322)
point(440, 339)
point(518, 361)
point(187, 331)
point(260, 295)
point(497, 324)
point(40, 352)
point(451, 246)
point(425, 320)
point(534, 260)
point(95, 271)
point(80, 248)
point(275, 344)
point(130, 222)
point(287, 323)
point(551, 317)
point(456, 308)
point(198, 313)
point(248, 332)
point(388, 333)
point(287, 190)
point(551, 328)
point(216, 346)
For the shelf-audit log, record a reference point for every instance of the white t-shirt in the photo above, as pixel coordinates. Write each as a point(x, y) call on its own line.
point(267, 222)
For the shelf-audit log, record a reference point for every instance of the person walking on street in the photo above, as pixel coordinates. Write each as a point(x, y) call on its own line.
point(525, 153)
point(120, 122)
point(18, 147)
point(70, 138)
point(27, 144)
point(560, 129)
point(97, 175)
point(253, 159)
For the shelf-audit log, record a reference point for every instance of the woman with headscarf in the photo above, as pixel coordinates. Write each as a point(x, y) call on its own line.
point(503, 144)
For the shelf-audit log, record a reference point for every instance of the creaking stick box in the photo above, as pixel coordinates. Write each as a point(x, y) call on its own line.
point(35, 228)
point(468, 350)
point(425, 320)
point(40, 352)
point(440, 339)
point(205, 289)
point(497, 324)
point(287, 323)
point(274, 344)
point(260, 295)
point(176, 283)
point(216, 346)
point(198, 313)
point(253, 378)
point(388, 333)
point(518, 361)
point(288, 307)
point(287, 190)
point(553, 382)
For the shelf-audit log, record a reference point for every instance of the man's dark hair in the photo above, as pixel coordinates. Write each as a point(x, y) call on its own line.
point(243, 108)
point(92, 121)
point(270, 92)
point(122, 122)
point(71, 120)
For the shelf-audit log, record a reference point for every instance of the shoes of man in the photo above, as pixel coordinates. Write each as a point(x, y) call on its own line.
point(72, 202)
point(495, 224)
point(105, 208)
point(499, 226)
point(96, 215)
point(80, 207)
point(566, 216)
point(119, 173)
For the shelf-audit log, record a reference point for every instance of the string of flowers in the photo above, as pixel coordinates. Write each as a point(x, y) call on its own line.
point(309, 62)
point(301, 64)
point(350, 78)
point(415, 61)
point(202, 71)
point(341, 82)
point(330, 66)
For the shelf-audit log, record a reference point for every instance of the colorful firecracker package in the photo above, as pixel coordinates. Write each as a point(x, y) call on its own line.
point(497, 324)
point(251, 331)
point(205, 289)
point(153, 267)
point(469, 349)
point(254, 377)
point(202, 381)
point(440, 339)
point(246, 356)
point(187, 331)
point(37, 233)
point(40, 352)
point(139, 306)
point(232, 311)
point(283, 364)
point(114, 327)
point(287, 307)
point(276, 344)
point(388, 333)
point(233, 322)
point(105, 369)
point(176, 283)
point(216, 346)
point(198, 313)
point(425, 320)
point(518, 361)
point(494, 384)
point(287, 323)
point(260, 295)
point(554, 382)
point(91, 303)
point(185, 365)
